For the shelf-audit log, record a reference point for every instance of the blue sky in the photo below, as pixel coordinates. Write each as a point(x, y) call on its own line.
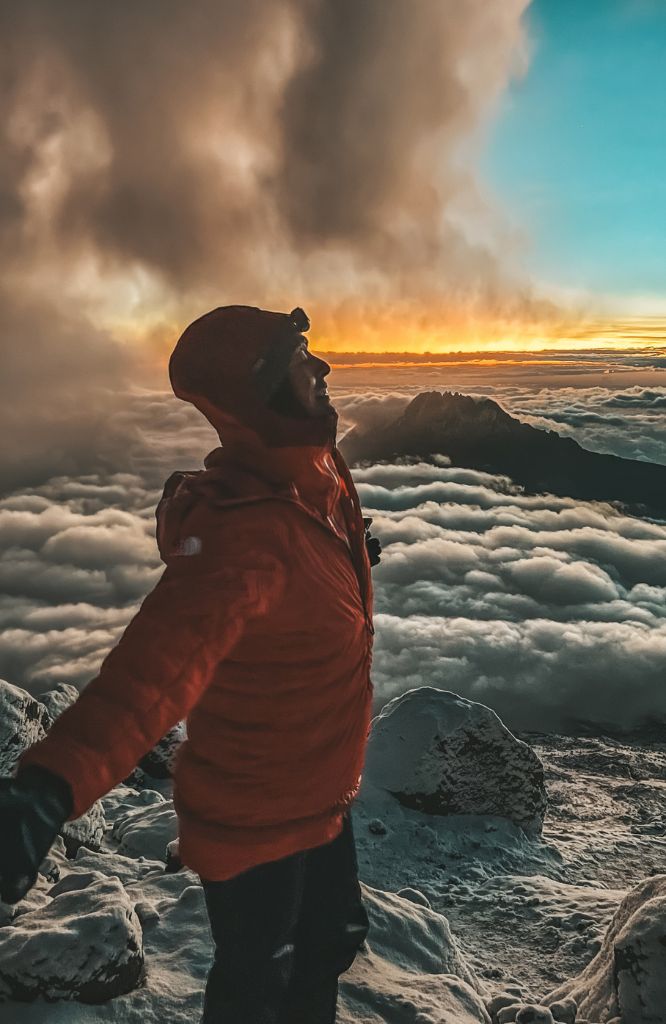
point(578, 152)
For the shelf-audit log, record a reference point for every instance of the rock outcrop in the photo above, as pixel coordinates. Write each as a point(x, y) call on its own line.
point(441, 754)
point(409, 968)
point(159, 762)
point(478, 434)
point(85, 944)
point(627, 979)
point(23, 721)
point(58, 699)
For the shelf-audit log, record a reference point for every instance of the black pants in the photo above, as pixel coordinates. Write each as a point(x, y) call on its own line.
point(283, 932)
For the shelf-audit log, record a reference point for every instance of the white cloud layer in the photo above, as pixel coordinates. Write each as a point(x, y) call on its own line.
point(551, 610)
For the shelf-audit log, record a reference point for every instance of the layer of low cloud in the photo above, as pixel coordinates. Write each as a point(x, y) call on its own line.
point(551, 610)
point(628, 422)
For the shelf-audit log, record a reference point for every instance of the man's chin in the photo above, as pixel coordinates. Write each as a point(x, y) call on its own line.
point(324, 405)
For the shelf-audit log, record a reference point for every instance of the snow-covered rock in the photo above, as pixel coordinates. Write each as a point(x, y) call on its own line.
point(86, 945)
point(408, 969)
point(564, 1011)
point(115, 865)
point(626, 978)
point(35, 898)
point(58, 699)
point(158, 763)
point(534, 1015)
point(88, 830)
point(146, 831)
point(441, 754)
point(23, 721)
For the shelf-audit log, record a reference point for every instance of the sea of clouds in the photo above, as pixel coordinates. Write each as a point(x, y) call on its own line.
point(550, 610)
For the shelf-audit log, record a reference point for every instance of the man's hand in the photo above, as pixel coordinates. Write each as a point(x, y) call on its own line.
point(33, 808)
point(372, 543)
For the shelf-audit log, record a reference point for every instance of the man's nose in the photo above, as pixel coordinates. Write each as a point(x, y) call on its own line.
point(322, 368)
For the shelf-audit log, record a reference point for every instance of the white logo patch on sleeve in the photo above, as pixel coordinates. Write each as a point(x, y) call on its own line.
point(189, 546)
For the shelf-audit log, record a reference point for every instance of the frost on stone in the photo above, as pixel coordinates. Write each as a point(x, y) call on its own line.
point(159, 762)
point(86, 831)
point(441, 754)
point(58, 699)
point(409, 968)
point(85, 945)
point(23, 721)
point(147, 830)
point(627, 977)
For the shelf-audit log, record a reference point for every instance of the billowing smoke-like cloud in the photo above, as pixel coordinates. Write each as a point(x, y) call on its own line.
point(161, 158)
point(241, 141)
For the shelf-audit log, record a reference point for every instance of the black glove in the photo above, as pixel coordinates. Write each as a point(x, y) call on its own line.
point(371, 543)
point(33, 808)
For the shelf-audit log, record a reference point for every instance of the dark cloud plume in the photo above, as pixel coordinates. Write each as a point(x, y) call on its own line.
point(159, 158)
point(242, 140)
point(372, 127)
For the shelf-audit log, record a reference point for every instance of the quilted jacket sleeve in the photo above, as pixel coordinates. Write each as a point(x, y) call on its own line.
point(159, 668)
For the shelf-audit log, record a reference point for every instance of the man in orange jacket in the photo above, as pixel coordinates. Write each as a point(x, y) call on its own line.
point(259, 633)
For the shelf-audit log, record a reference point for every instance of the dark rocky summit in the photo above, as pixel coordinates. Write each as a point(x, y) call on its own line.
point(479, 434)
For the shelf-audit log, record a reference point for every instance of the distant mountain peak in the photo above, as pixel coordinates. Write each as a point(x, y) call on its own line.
point(451, 413)
point(477, 433)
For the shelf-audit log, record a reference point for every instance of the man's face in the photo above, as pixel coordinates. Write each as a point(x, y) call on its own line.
point(306, 375)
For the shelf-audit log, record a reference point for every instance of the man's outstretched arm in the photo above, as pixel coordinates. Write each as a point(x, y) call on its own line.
point(156, 673)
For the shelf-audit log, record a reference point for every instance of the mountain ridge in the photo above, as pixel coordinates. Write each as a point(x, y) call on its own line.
point(480, 434)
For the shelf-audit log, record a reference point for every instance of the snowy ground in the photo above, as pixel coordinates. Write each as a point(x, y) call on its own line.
point(534, 912)
point(462, 907)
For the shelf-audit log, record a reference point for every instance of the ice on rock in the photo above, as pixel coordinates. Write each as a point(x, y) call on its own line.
point(564, 1011)
point(626, 979)
point(408, 969)
point(115, 865)
point(534, 1015)
point(57, 699)
point(441, 754)
point(85, 945)
point(159, 762)
point(23, 721)
point(414, 895)
point(87, 831)
point(147, 832)
point(507, 1014)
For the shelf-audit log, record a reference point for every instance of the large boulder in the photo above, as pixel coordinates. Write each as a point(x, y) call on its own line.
point(409, 968)
point(23, 721)
point(441, 754)
point(626, 979)
point(85, 944)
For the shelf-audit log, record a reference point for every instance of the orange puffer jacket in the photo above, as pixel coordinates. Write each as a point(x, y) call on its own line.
point(259, 633)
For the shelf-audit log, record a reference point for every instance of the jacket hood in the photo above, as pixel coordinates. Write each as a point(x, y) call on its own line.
point(263, 453)
point(212, 367)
